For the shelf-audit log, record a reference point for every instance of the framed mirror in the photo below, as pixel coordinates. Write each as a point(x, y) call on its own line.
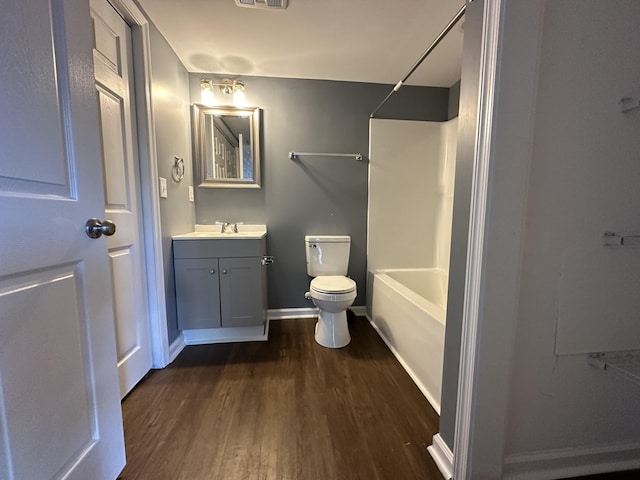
point(227, 146)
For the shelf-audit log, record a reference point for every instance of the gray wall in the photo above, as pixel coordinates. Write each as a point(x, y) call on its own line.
point(170, 101)
point(454, 100)
point(467, 93)
point(312, 194)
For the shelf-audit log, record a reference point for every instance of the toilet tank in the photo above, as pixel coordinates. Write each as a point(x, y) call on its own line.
point(327, 254)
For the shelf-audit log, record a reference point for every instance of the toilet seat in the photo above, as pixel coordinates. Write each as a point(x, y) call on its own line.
point(333, 284)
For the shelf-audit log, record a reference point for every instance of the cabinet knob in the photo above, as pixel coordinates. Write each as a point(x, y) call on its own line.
point(212, 271)
point(224, 271)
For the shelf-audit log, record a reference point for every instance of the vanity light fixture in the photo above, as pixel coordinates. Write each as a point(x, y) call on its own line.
point(227, 87)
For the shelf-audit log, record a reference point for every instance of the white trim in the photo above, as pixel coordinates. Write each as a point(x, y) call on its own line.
point(175, 348)
point(572, 462)
point(286, 313)
point(508, 83)
point(306, 312)
point(154, 261)
point(473, 283)
point(435, 403)
point(203, 336)
point(129, 11)
point(442, 456)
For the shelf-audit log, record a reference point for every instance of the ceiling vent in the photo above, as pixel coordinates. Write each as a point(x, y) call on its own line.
point(270, 4)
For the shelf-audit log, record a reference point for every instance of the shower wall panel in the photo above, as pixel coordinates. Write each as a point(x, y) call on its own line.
point(411, 170)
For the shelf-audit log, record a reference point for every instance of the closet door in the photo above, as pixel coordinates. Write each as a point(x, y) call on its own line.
point(113, 64)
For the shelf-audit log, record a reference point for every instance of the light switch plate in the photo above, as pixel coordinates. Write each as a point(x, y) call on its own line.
point(190, 193)
point(163, 188)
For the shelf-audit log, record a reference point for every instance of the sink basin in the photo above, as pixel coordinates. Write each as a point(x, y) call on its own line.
point(213, 231)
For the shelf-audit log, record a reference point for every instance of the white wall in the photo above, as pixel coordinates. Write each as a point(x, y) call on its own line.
point(446, 184)
point(403, 193)
point(411, 171)
point(584, 179)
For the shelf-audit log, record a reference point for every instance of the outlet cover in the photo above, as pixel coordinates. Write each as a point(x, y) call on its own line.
point(191, 193)
point(163, 188)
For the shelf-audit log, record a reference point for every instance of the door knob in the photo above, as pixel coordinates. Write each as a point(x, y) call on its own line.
point(95, 228)
point(224, 271)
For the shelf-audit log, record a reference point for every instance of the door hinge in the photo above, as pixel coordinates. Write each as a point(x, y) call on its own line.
point(267, 260)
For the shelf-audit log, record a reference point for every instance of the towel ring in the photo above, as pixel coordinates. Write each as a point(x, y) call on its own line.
point(177, 171)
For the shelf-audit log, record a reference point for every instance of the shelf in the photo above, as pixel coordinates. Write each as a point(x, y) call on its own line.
point(625, 364)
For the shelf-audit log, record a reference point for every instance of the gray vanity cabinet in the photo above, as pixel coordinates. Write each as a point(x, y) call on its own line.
point(197, 293)
point(220, 283)
point(241, 286)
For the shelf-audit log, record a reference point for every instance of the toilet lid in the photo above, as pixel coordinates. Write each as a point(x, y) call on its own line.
point(333, 284)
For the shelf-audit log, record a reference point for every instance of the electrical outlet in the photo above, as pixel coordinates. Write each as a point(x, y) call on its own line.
point(163, 188)
point(191, 193)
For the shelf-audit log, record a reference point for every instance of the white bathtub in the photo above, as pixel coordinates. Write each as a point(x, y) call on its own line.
point(408, 309)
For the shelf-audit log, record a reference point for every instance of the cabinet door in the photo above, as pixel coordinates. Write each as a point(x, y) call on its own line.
point(241, 287)
point(197, 293)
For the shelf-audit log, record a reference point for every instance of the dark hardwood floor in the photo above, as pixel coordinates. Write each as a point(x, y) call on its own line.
point(283, 409)
point(627, 475)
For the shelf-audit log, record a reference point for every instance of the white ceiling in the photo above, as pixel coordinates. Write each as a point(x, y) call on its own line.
point(375, 41)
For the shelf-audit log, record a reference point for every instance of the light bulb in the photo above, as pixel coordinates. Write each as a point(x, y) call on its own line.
point(239, 99)
point(206, 97)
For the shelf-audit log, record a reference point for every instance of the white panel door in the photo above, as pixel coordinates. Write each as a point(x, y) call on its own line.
point(60, 413)
point(114, 82)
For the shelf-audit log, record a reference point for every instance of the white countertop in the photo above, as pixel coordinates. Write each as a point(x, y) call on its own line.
point(213, 231)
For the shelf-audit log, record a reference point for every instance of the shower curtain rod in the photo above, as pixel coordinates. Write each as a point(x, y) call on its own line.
point(426, 53)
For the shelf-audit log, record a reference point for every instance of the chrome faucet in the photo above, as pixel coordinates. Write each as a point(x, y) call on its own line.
point(223, 226)
point(227, 227)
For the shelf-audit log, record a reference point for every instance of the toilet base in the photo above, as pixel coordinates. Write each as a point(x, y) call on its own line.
point(332, 330)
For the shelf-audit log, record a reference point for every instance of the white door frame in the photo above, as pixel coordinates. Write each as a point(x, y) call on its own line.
point(511, 37)
point(150, 207)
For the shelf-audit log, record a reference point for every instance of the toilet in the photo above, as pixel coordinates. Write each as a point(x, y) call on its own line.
point(330, 290)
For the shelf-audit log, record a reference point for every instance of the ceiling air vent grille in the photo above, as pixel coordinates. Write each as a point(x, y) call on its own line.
point(271, 4)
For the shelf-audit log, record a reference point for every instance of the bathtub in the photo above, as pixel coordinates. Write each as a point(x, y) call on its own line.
point(408, 309)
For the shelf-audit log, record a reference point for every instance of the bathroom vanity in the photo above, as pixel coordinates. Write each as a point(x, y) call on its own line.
point(221, 284)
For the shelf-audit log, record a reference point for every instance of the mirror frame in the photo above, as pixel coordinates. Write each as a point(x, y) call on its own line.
point(199, 111)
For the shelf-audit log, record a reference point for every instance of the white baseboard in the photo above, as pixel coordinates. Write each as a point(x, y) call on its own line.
point(286, 313)
point(249, 334)
point(306, 312)
point(175, 348)
point(225, 335)
point(442, 456)
point(572, 462)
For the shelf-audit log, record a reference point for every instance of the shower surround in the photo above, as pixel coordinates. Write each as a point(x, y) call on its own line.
point(411, 179)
